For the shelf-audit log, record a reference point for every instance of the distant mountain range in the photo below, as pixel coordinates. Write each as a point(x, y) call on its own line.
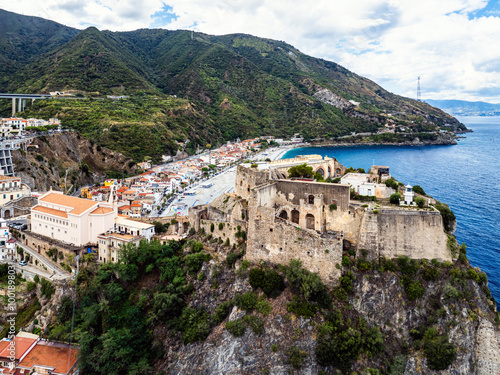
point(465, 108)
point(204, 88)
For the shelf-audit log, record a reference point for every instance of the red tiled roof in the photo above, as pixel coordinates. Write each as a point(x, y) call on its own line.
point(51, 355)
point(22, 344)
point(50, 211)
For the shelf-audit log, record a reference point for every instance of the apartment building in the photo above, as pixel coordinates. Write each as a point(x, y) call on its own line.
point(125, 232)
point(11, 188)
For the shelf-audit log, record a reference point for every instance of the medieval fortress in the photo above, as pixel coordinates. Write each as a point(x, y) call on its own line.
point(285, 219)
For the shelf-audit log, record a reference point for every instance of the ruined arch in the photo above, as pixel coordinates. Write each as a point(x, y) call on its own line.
point(284, 215)
point(295, 216)
point(310, 221)
point(310, 199)
point(321, 171)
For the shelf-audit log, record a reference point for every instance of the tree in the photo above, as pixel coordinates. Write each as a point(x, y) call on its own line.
point(395, 198)
point(391, 183)
point(302, 170)
point(417, 189)
point(420, 202)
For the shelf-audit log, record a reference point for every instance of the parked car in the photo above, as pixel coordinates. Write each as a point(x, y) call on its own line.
point(23, 263)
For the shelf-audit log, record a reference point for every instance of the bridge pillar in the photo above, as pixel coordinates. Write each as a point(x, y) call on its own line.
point(24, 104)
point(13, 107)
point(19, 105)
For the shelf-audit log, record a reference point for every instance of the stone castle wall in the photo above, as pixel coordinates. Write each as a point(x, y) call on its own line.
point(278, 241)
point(417, 234)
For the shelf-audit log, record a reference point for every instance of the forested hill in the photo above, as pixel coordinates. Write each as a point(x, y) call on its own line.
point(235, 85)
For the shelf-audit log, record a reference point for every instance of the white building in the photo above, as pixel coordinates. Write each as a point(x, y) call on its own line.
point(71, 220)
point(125, 232)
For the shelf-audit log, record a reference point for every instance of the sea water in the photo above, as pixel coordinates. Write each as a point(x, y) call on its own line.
point(465, 176)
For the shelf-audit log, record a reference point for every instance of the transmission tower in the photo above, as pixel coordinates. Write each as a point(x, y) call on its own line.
point(419, 96)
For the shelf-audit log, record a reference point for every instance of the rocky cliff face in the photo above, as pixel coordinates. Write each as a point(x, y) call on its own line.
point(452, 305)
point(51, 160)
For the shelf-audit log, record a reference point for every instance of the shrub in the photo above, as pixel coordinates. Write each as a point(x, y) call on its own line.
point(36, 279)
point(333, 206)
point(420, 202)
point(417, 189)
point(414, 290)
point(194, 261)
point(301, 308)
point(447, 215)
point(212, 227)
point(440, 353)
point(222, 311)
point(395, 198)
point(296, 357)
point(194, 325)
point(270, 281)
point(255, 323)
point(263, 307)
point(232, 258)
point(430, 273)
point(30, 286)
point(47, 289)
point(254, 165)
point(391, 182)
point(236, 328)
point(346, 261)
point(246, 301)
point(274, 348)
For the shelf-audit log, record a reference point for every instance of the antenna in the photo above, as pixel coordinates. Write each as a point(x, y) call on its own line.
point(419, 95)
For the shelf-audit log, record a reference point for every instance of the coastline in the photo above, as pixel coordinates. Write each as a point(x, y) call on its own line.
point(280, 151)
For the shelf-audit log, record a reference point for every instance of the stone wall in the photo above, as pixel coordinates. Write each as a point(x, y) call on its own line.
point(278, 241)
point(41, 246)
point(294, 191)
point(417, 234)
point(228, 230)
point(247, 178)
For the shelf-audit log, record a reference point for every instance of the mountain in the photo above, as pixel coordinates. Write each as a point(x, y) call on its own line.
point(233, 85)
point(24, 39)
point(465, 108)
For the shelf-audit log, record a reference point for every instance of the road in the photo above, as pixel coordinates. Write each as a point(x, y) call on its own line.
point(56, 272)
point(222, 183)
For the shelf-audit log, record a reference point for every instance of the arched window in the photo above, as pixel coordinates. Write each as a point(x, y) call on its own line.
point(321, 172)
point(295, 216)
point(311, 199)
point(310, 221)
point(284, 215)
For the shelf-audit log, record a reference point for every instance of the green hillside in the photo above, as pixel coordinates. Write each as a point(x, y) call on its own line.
point(236, 86)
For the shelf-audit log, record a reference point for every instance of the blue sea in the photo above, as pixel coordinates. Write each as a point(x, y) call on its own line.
point(465, 176)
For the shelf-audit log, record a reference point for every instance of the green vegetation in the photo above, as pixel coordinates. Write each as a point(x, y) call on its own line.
point(301, 171)
point(417, 189)
point(447, 214)
point(271, 283)
point(296, 357)
point(395, 198)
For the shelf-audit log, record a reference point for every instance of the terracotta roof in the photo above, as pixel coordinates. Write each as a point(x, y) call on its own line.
point(50, 211)
point(11, 241)
point(22, 344)
point(122, 189)
point(136, 205)
point(102, 211)
point(51, 354)
point(2, 177)
point(121, 208)
point(78, 205)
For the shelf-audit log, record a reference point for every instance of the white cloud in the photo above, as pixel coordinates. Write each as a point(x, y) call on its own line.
point(391, 42)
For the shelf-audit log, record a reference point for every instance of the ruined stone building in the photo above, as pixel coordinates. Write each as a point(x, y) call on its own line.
point(314, 221)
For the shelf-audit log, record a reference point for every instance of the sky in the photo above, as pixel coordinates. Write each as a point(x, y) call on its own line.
point(452, 45)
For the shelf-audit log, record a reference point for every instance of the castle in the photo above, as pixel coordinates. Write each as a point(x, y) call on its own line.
point(315, 221)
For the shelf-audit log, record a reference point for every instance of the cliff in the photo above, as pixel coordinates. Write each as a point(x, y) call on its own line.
point(52, 159)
